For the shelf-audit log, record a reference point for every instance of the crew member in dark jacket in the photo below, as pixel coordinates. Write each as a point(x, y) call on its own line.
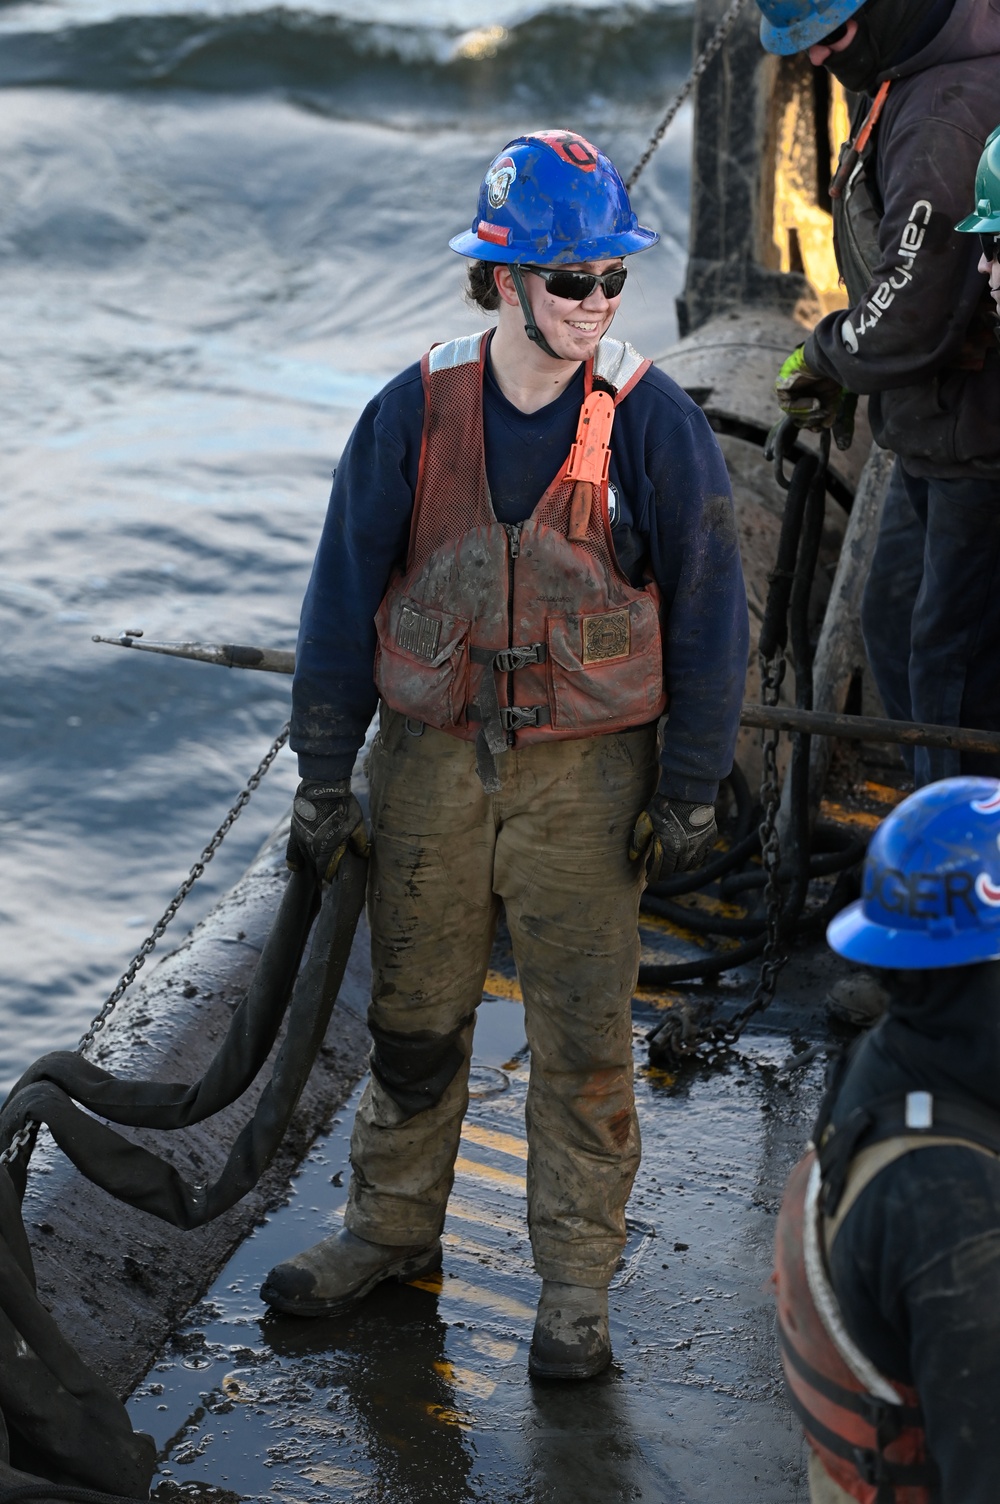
point(530, 550)
point(917, 339)
point(888, 1241)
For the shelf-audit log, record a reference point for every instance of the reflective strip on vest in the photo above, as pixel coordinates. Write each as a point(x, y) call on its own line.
point(871, 1443)
point(520, 632)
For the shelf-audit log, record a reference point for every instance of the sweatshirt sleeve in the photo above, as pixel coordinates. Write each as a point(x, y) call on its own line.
point(364, 538)
point(914, 317)
point(694, 551)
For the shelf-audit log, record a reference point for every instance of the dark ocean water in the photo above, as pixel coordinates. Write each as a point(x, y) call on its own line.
point(221, 229)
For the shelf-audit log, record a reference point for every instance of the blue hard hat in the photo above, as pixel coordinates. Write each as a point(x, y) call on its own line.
point(788, 26)
point(552, 197)
point(931, 891)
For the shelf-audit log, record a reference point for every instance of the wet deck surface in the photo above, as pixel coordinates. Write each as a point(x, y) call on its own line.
point(421, 1396)
point(423, 1393)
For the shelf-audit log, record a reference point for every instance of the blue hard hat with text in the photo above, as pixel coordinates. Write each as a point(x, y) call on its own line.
point(788, 26)
point(931, 888)
point(552, 197)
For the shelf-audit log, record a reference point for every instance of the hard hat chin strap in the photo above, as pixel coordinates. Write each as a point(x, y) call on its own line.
point(531, 329)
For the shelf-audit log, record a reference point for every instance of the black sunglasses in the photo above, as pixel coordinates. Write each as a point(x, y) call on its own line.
point(579, 285)
point(991, 246)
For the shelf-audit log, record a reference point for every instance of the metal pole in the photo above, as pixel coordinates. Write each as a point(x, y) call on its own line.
point(858, 728)
point(869, 728)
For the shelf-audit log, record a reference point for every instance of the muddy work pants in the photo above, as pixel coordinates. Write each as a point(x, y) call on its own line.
point(552, 848)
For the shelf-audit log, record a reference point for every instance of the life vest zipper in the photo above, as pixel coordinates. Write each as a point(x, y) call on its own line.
point(513, 531)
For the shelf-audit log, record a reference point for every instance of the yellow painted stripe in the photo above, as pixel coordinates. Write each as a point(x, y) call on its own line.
point(479, 1171)
point(466, 1380)
point(486, 1216)
point(450, 1417)
point(492, 1347)
point(463, 1293)
point(468, 1248)
point(883, 792)
point(489, 1138)
point(844, 816)
point(497, 985)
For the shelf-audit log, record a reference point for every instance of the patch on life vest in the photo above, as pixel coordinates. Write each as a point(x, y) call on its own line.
point(605, 637)
point(418, 634)
point(499, 180)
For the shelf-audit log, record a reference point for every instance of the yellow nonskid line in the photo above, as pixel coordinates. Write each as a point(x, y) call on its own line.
point(464, 1293)
point(491, 1138)
point(497, 985)
point(492, 1347)
point(466, 1380)
point(472, 1167)
point(485, 1216)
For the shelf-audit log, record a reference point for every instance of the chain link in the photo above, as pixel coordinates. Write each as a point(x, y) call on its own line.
point(156, 933)
point(690, 1030)
point(706, 55)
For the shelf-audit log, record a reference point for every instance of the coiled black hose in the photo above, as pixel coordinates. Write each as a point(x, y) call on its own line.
point(785, 623)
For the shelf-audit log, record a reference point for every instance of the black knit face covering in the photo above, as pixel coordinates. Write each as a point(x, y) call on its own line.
point(886, 32)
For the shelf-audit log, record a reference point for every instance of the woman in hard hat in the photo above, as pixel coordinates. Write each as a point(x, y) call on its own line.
point(530, 551)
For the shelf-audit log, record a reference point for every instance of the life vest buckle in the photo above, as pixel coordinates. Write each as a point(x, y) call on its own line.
point(509, 660)
point(519, 717)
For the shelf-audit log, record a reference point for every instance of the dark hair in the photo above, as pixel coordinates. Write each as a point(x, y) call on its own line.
point(482, 289)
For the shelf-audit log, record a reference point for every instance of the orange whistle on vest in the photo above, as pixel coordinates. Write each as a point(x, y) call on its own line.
point(589, 458)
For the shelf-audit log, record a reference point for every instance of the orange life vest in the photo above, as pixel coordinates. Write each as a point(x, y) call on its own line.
point(866, 1430)
point(507, 633)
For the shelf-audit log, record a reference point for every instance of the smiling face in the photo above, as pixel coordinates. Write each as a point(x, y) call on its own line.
point(572, 329)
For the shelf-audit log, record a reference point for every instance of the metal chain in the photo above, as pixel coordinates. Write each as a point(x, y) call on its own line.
point(723, 1036)
point(156, 933)
point(706, 55)
point(689, 1030)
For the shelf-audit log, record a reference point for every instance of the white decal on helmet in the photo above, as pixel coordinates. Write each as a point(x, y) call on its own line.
point(498, 181)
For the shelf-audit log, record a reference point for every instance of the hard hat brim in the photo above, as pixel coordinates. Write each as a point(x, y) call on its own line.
point(799, 35)
point(977, 223)
point(857, 938)
point(628, 243)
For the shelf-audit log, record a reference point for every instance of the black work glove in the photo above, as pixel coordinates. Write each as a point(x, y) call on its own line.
point(676, 834)
point(326, 818)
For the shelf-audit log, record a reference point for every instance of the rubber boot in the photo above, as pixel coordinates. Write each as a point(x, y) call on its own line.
point(859, 999)
point(571, 1339)
point(340, 1270)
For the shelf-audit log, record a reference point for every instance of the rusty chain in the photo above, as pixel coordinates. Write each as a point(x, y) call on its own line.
point(138, 961)
point(706, 55)
point(689, 1030)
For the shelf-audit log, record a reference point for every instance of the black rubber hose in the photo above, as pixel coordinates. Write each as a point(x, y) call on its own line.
point(787, 606)
point(774, 627)
point(821, 864)
point(657, 974)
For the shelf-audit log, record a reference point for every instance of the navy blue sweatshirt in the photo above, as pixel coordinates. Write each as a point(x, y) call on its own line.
point(672, 514)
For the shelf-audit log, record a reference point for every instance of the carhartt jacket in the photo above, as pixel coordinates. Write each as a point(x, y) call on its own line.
point(920, 341)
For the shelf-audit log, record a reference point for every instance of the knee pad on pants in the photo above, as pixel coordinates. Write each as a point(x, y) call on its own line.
point(415, 1070)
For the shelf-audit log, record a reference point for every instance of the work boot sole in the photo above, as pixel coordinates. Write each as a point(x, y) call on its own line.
point(539, 1369)
point(412, 1267)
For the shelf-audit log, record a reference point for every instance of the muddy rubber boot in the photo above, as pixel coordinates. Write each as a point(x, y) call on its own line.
point(340, 1270)
point(859, 999)
point(570, 1340)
